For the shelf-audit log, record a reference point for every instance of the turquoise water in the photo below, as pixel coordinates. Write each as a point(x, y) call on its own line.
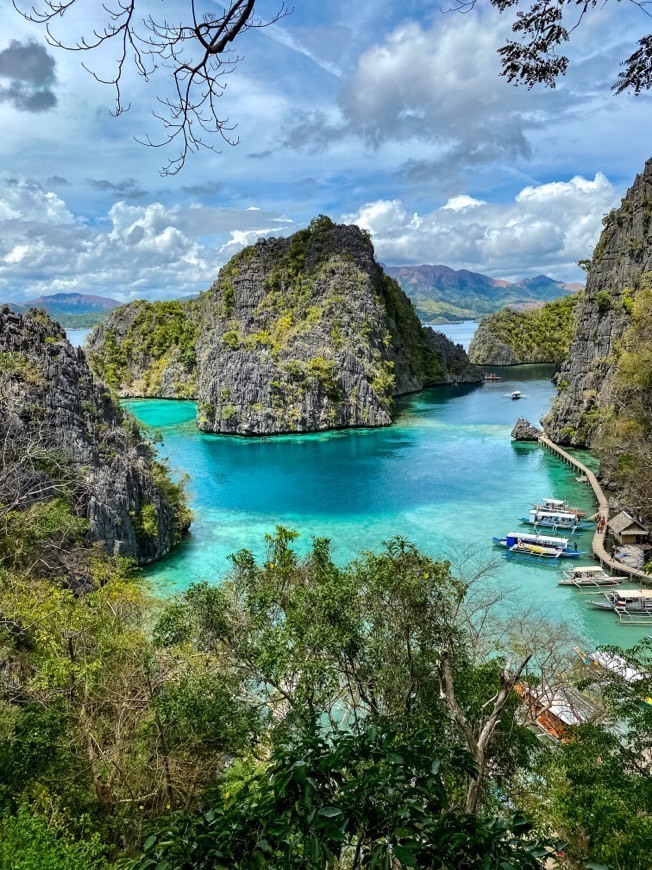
point(446, 476)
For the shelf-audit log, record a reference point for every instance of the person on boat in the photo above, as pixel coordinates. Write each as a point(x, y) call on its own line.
point(575, 546)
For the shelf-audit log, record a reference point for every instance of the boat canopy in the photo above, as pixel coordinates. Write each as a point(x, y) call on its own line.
point(556, 515)
point(588, 571)
point(545, 540)
point(554, 502)
point(567, 704)
point(617, 665)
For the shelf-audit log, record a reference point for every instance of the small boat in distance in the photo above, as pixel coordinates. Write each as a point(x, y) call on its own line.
point(591, 576)
point(516, 394)
point(492, 376)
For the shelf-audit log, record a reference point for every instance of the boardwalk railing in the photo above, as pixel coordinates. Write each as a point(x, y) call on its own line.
point(597, 546)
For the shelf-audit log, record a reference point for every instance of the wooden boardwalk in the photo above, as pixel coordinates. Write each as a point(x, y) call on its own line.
point(603, 509)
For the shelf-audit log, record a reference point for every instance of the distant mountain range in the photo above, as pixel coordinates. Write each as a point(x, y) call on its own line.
point(438, 293)
point(71, 309)
point(441, 294)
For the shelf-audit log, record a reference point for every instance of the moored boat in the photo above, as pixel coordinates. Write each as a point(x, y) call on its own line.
point(556, 710)
point(591, 576)
point(492, 376)
point(631, 606)
point(558, 504)
point(555, 520)
point(541, 546)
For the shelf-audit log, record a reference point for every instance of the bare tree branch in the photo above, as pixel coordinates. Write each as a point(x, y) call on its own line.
point(196, 55)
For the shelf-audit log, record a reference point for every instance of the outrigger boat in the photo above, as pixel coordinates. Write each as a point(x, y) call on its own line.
point(582, 576)
point(555, 520)
point(516, 394)
point(492, 376)
point(601, 661)
point(538, 546)
point(558, 504)
point(631, 606)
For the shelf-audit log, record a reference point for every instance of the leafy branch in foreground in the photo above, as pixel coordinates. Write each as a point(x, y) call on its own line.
point(542, 27)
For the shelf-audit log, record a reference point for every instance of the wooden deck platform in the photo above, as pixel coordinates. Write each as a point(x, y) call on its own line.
point(603, 508)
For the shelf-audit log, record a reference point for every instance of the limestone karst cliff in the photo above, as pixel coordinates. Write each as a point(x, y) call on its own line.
point(617, 275)
point(510, 337)
point(297, 334)
point(60, 421)
point(147, 349)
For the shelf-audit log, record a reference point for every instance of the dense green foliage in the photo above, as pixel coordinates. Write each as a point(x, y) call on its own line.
point(144, 339)
point(537, 335)
point(625, 427)
point(293, 716)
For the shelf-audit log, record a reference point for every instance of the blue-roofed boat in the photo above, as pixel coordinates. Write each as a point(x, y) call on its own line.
point(538, 547)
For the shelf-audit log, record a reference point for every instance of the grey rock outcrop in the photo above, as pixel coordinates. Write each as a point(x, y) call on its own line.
point(299, 334)
point(524, 431)
point(486, 349)
point(308, 333)
point(620, 259)
point(50, 398)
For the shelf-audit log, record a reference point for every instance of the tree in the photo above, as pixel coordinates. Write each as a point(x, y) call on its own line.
point(197, 52)
point(376, 798)
point(543, 26)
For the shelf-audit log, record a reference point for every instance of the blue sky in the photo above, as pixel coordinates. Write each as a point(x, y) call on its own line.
point(390, 115)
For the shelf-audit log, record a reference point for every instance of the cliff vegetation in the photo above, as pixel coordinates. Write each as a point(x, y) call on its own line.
point(604, 390)
point(538, 335)
point(147, 349)
point(71, 456)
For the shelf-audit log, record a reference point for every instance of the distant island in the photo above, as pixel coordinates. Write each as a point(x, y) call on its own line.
point(537, 335)
point(443, 295)
point(297, 334)
point(70, 310)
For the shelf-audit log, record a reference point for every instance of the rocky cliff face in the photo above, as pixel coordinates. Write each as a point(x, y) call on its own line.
point(147, 349)
point(50, 403)
point(620, 262)
point(537, 335)
point(308, 333)
point(296, 335)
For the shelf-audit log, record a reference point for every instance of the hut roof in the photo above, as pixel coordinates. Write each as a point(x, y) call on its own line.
point(623, 522)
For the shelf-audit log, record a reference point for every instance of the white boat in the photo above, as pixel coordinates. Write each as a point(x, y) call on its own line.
point(516, 394)
point(631, 606)
point(558, 504)
point(582, 576)
point(556, 710)
point(555, 520)
point(601, 661)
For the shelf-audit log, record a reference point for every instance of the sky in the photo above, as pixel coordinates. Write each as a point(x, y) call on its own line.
point(392, 116)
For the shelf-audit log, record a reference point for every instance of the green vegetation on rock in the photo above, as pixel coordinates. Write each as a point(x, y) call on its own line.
point(511, 337)
point(148, 349)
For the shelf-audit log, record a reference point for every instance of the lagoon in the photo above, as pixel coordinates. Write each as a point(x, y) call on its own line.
point(445, 476)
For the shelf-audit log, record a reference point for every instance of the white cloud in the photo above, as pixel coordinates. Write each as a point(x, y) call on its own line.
point(545, 227)
point(458, 203)
point(135, 251)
